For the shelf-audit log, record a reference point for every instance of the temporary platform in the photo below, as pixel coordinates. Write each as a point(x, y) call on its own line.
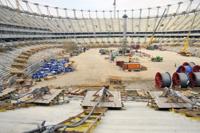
point(52, 97)
point(113, 99)
point(162, 102)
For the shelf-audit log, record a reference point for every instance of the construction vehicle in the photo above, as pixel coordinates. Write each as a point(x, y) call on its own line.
point(104, 51)
point(132, 66)
point(157, 59)
point(184, 51)
point(151, 41)
point(152, 38)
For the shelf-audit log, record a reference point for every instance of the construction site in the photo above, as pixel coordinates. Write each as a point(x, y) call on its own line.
point(68, 70)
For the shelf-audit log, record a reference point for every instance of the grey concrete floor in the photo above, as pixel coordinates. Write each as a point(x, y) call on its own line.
point(136, 118)
point(25, 119)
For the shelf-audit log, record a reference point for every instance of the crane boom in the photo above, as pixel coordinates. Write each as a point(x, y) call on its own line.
point(152, 36)
point(184, 50)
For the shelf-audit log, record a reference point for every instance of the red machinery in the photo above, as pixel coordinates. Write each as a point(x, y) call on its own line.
point(132, 66)
point(120, 63)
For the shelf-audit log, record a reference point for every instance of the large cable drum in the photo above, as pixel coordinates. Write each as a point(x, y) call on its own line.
point(192, 64)
point(194, 79)
point(186, 67)
point(180, 79)
point(162, 80)
point(196, 68)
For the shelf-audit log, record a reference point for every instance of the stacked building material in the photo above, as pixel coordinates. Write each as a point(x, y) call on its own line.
point(53, 67)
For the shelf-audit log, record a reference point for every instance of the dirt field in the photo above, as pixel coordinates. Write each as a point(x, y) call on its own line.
point(94, 68)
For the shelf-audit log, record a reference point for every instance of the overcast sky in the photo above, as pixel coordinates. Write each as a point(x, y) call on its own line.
point(107, 4)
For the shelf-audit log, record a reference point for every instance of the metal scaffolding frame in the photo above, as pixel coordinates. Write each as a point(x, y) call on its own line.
point(93, 26)
point(139, 24)
point(112, 25)
point(86, 25)
point(79, 26)
point(106, 26)
point(119, 24)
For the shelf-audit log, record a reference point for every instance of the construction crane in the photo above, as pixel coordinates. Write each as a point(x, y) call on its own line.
point(185, 50)
point(151, 40)
point(17, 5)
point(114, 5)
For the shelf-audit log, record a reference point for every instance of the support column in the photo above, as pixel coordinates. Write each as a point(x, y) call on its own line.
point(132, 20)
point(85, 23)
point(112, 25)
point(147, 24)
point(118, 18)
point(99, 23)
point(139, 28)
point(94, 31)
point(124, 46)
point(105, 26)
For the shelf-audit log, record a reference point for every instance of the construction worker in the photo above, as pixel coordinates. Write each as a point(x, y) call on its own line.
point(175, 65)
point(130, 58)
point(1, 88)
point(104, 93)
point(112, 56)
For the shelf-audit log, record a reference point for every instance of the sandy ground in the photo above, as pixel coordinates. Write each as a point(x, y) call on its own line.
point(93, 68)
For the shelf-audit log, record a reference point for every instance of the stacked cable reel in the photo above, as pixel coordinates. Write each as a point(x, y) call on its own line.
point(186, 75)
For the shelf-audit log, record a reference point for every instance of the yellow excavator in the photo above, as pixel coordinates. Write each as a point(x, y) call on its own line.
point(185, 50)
point(152, 38)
